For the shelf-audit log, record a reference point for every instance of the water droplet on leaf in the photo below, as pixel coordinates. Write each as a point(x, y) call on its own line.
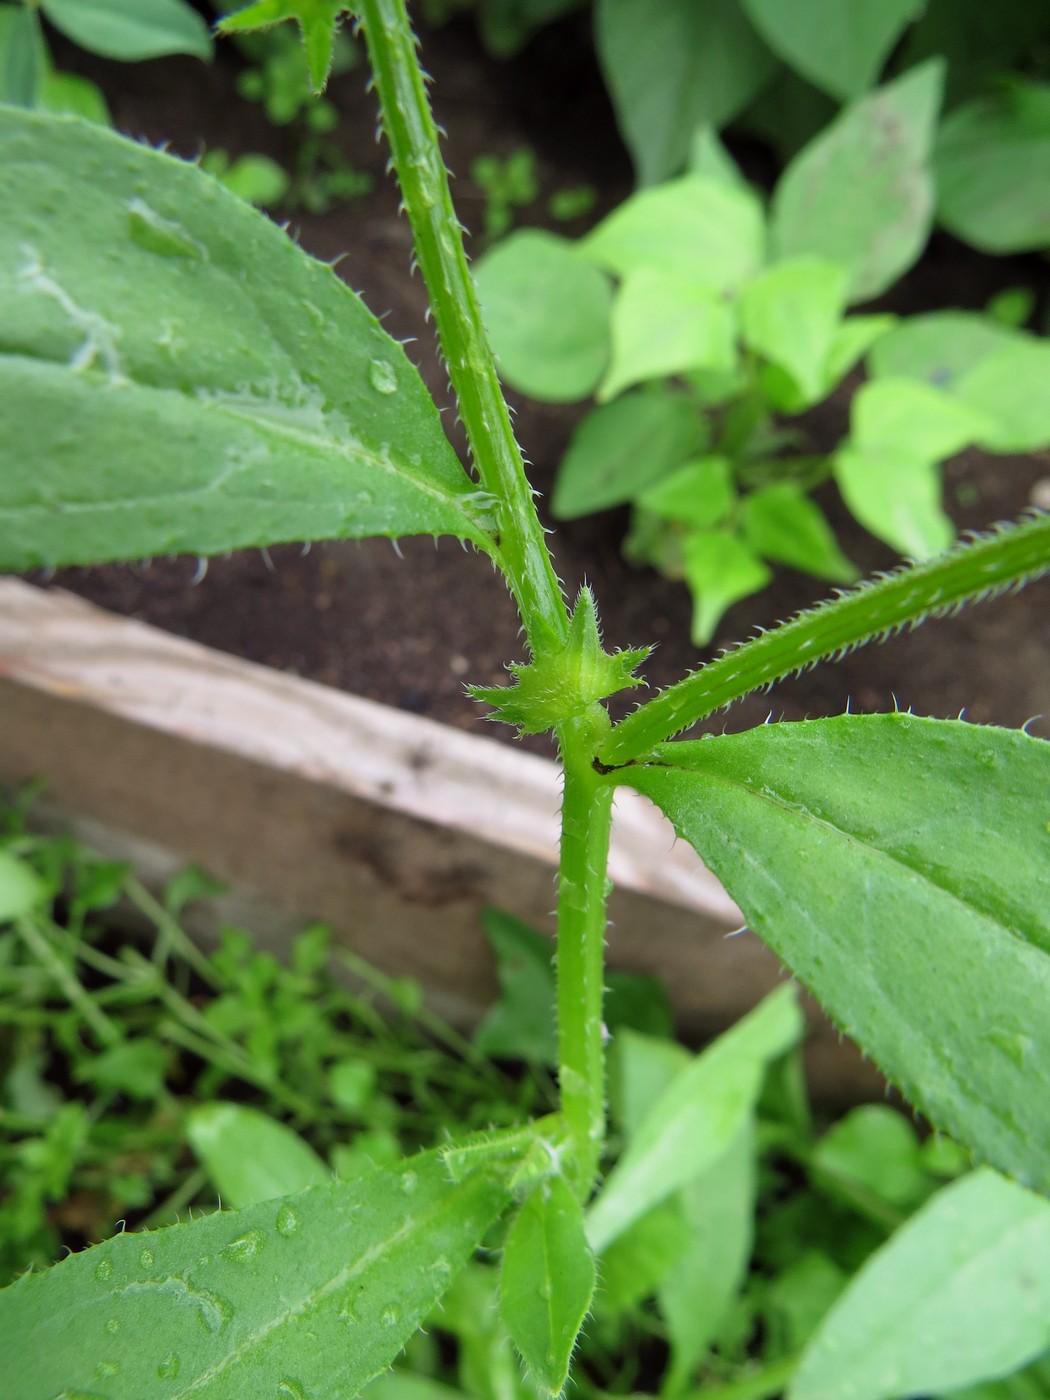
point(409, 1181)
point(288, 1220)
point(112, 1326)
point(165, 237)
point(245, 1247)
point(168, 1368)
point(104, 1270)
point(288, 1389)
point(390, 1317)
point(382, 377)
point(146, 1259)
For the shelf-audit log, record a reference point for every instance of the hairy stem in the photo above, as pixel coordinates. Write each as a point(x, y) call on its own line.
point(413, 137)
point(1008, 558)
point(586, 821)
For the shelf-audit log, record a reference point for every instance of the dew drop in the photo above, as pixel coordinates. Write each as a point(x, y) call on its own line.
point(382, 377)
point(104, 1270)
point(112, 1326)
point(288, 1220)
point(288, 1389)
point(168, 1367)
point(245, 1247)
point(390, 1317)
point(156, 234)
point(106, 1370)
point(409, 1181)
point(147, 1259)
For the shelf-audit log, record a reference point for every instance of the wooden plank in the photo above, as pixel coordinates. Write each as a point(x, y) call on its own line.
point(314, 804)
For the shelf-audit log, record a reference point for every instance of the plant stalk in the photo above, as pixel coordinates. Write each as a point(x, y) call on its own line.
point(437, 234)
point(586, 822)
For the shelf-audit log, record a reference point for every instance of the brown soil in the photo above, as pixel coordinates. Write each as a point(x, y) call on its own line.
point(410, 626)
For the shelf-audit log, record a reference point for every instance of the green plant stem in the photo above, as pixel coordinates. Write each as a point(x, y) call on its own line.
point(760, 1385)
point(521, 549)
point(40, 946)
point(968, 573)
point(586, 822)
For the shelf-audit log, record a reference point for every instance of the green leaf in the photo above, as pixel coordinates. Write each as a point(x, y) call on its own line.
point(131, 29)
point(1009, 388)
point(696, 1119)
point(853, 338)
point(313, 1295)
point(22, 59)
point(318, 24)
point(898, 866)
point(877, 1148)
point(250, 1156)
point(673, 67)
point(701, 493)
point(720, 570)
point(861, 193)
point(21, 889)
point(791, 312)
point(624, 447)
point(697, 228)
point(521, 1025)
point(903, 418)
point(136, 1067)
point(781, 522)
point(634, 1264)
point(663, 323)
point(837, 44)
point(709, 158)
point(546, 1282)
point(960, 1294)
point(175, 375)
point(74, 96)
point(992, 161)
point(695, 1293)
point(546, 310)
point(939, 347)
point(640, 1069)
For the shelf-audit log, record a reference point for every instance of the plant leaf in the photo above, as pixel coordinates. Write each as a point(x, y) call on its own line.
point(696, 1118)
point(960, 1294)
point(1009, 388)
point(939, 347)
point(175, 375)
point(521, 1026)
point(546, 1281)
point(546, 310)
point(700, 493)
point(992, 160)
point(250, 1156)
point(698, 228)
point(313, 1295)
point(673, 67)
point(664, 323)
point(720, 569)
point(898, 866)
point(318, 22)
point(897, 498)
point(21, 889)
point(861, 193)
point(837, 44)
point(781, 522)
point(623, 447)
point(790, 313)
point(23, 61)
point(131, 29)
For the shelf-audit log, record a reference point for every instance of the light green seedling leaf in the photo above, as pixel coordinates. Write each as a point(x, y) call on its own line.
point(23, 61)
point(781, 522)
point(546, 1282)
point(1009, 387)
point(708, 157)
point(624, 447)
point(898, 866)
point(960, 1294)
point(853, 338)
point(547, 311)
point(131, 29)
point(673, 66)
point(837, 44)
point(73, 96)
point(664, 323)
point(861, 193)
point(701, 493)
point(791, 312)
point(521, 1025)
point(697, 228)
point(312, 1295)
point(993, 169)
point(904, 418)
point(696, 1119)
point(21, 889)
point(876, 1147)
point(640, 1069)
point(318, 22)
point(938, 348)
point(720, 569)
point(696, 1291)
point(251, 1157)
point(633, 1265)
point(176, 376)
point(899, 499)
